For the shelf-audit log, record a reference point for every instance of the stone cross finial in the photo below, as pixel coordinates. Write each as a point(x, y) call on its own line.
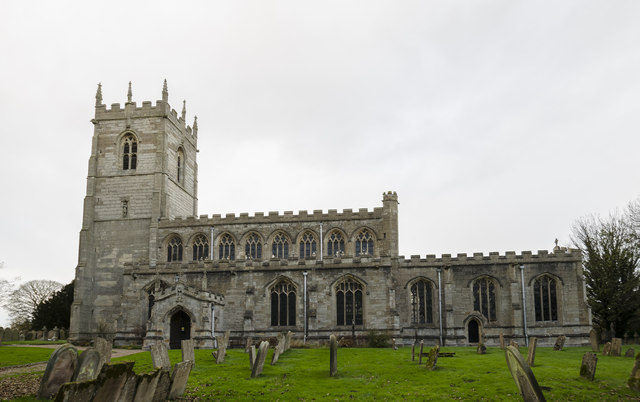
point(129, 93)
point(99, 95)
point(556, 242)
point(165, 92)
point(184, 109)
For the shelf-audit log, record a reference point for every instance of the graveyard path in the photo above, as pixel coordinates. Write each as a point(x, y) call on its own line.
point(114, 352)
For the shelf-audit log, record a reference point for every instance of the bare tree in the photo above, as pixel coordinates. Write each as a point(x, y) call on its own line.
point(23, 301)
point(6, 286)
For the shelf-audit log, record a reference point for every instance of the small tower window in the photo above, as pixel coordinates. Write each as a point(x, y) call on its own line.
point(129, 152)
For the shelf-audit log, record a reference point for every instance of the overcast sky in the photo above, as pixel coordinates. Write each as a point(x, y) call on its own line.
point(498, 123)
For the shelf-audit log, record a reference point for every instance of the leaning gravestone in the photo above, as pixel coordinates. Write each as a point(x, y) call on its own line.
point(606, 350)
point(187, 351)
point(593, 339)
point(111, 382)
point(147, 384)
point(162, 388)
point(514, 344)
point(413, 352)
point(420, 355)
point(103, 347)
point(432, 359)
point(252, 356)
point(280, 348)
point(531, 356)
point(76, 391)
point(247, 345)
point(179, 379)
point(261, 356)
point(287, 341)
point(160, 355)
point(630, 353)
point(588, 367)
point(88, 367)
point(222, 349)
point(523, 376)
point(559, 343)
point(60, 369)
point(616, 346)
point(634, 380)
point(333, 356)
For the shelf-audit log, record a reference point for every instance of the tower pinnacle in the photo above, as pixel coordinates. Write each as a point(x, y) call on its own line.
point(99, 95)
point(129, 93)
point(184, 109)
point(195, 125)
point(165, 92)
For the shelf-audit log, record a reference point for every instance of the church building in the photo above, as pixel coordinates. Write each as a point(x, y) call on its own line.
point(150, 269)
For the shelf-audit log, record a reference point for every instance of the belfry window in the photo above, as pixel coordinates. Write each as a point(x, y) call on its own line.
point(200, 248)
point(283, 304)
point(280, 246)
point(484, 298)
point(364, 243)
point(335, 244)
point(422, 302)
point(226, 248)
point(307, 245)
point(349, 302)
point(253, 247)
point(174, 249)
point(129, 152)
point(180, 167)
point(545, 298)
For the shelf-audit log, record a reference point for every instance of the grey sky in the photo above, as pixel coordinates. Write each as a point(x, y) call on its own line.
point(497, 122)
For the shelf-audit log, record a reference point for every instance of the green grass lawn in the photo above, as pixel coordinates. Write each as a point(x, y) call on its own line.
point(13, 356)
point(303, 374)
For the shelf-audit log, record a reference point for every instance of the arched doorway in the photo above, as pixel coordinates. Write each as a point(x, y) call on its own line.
point(473, 329)
point(180, 329)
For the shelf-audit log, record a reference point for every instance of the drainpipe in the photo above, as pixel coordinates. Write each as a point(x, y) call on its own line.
point(211, 246)
point(304, 339)
point(440, 302)
point(321, 241)
point(524, 307)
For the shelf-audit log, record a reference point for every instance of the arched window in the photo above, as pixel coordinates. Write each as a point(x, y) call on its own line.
point(200, 248)
point(335, 244)
point(253, 247)
point(307, 245)
point(180, 167)
point(226, 248)
point(484, 298)
point(129, 152)
point(422, 302)
point(545, 298)
point(364, 243)
point(280, 246)
point(349, 302)
point(283, 304)
point(174, 249)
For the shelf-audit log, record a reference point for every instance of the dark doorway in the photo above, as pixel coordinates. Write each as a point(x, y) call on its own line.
point(180, 329)
point(474, 331)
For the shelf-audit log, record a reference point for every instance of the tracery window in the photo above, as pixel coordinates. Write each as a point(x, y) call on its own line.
point(226, 248)
point(283, 304)
point(335, 244)
point(253, 247)
point(422, 302)
point(200, 248)
point(545, 298)
point(174, 249)
point(349, 302)
point(364, 243)
point(129, 152)
point(307, 245)
point(484, 298)
point(280, 246)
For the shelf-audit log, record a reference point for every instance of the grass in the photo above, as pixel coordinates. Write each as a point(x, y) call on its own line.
point(13, 356)
point(36, 342)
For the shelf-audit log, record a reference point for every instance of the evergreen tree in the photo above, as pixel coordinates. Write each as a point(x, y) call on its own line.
point(55, 311)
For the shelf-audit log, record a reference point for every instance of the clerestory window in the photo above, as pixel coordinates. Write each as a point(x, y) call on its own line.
point(200, 248)
point(307, 245)
point(174, 249)
point(364, 243)
point(226, 248)
point(253, 247)
point(280, 246)
point(129, 152)
point(335, 244)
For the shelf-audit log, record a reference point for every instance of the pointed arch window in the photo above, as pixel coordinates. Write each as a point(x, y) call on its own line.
point(484, 298)
point(349, 302)
point(364, 243)
point(200, 248)
point(283, 304)
point(545, 298)
point(422, 302)
point(280, 246)
point(152, 301)
point(180, 167)
point(174, 249)
point(129, 152)
point(226, 248)
point(335, 244)
point(307, 245)
point(253, 247)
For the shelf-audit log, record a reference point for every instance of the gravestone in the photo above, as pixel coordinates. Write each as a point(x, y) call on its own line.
point(588, 367)
point(514, 344)
point(593, 339)
point(160, 355)
point(531, 356)
point(60, 369)
point(481, 349)
point(280, 348)
point(634, 380)
point(420, 354)
point(247, 345)
point(432, 359)
point(287, 341)
point(187, 351)
point(606, 350)
point(616, 346)
point(63, 334)
point(333, 356)
point(393, 344)
point(261, 356)
point(103, 347)
point(630, 352)
point(523, 376)
point(147, 384)
point(227, 334)
point(76, 391)
point(111, 382)
point(45, 331)
point(128, 391)
point(179, 379)
point(413, 352)
point(162, 388)
point(252, 356)
point(88, 367)
point(222, 349)
point(559, 343)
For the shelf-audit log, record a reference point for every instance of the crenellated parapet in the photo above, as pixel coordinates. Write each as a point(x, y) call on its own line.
point(509, 257)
